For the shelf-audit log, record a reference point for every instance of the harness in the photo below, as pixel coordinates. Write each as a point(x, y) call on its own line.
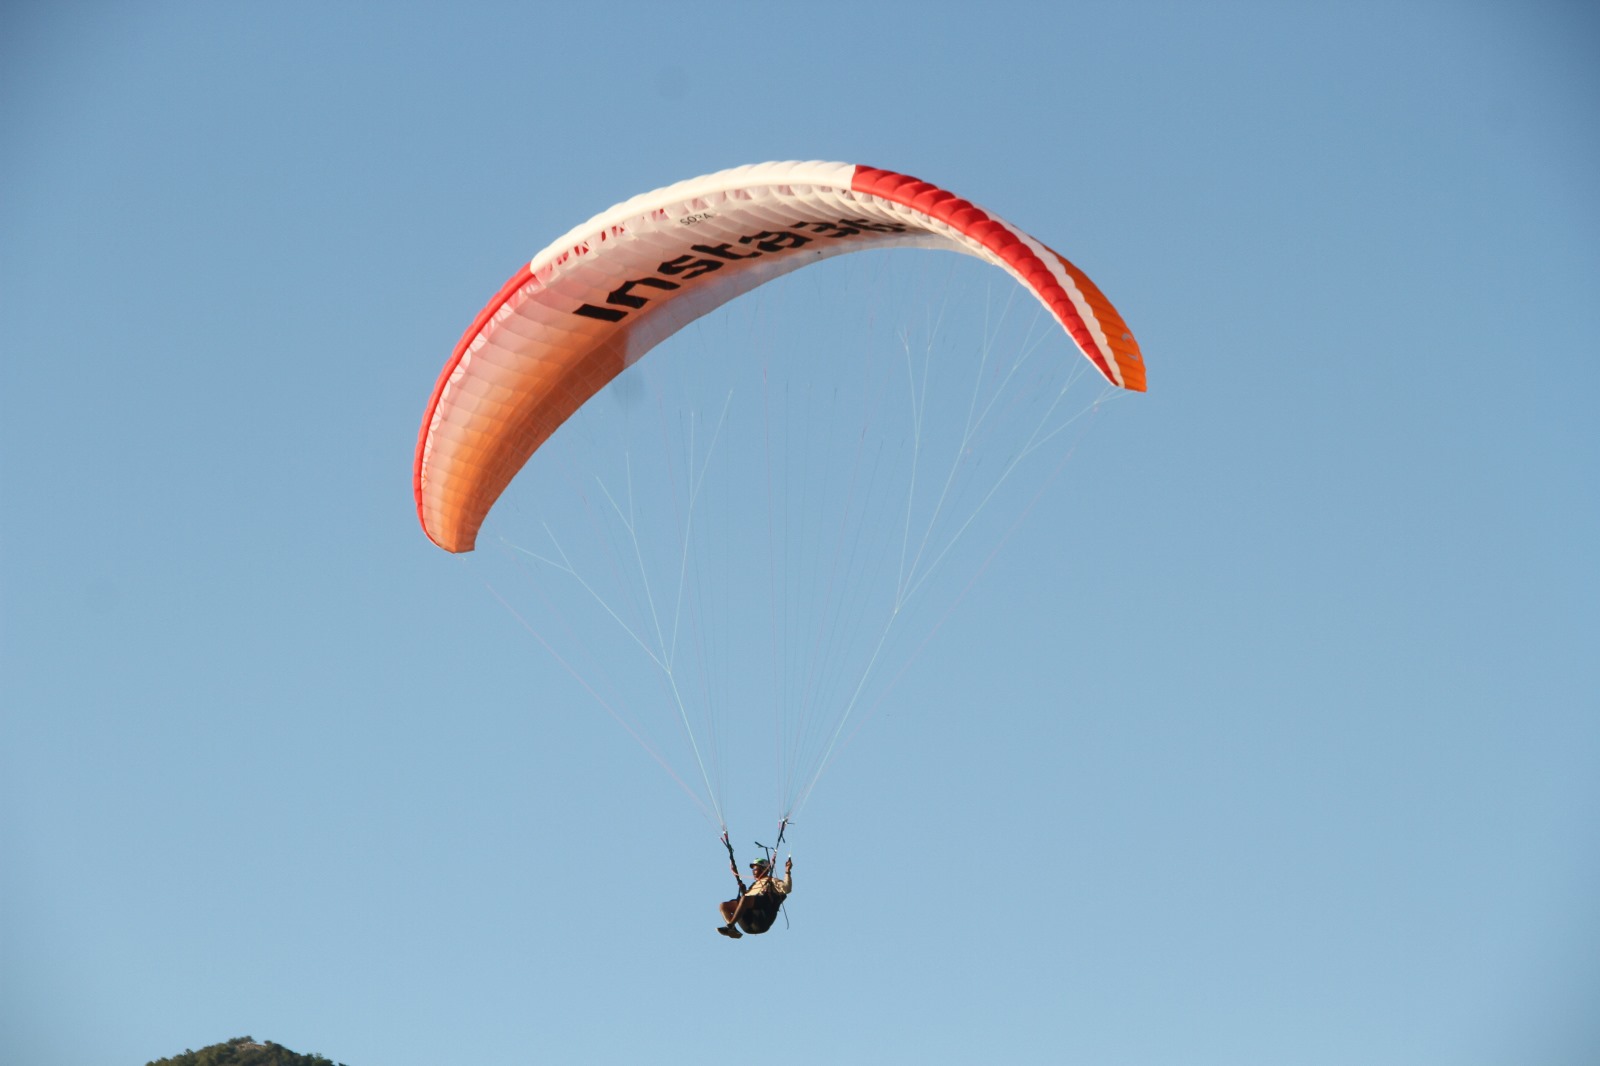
point(771, 854)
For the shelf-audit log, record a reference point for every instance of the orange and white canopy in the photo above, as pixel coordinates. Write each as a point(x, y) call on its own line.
point(602, 295)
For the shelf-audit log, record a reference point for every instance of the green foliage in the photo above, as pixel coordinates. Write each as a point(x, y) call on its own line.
point(244, 1051)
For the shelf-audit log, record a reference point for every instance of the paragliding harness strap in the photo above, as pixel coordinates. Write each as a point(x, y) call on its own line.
point(772, 852)
point(733, 863)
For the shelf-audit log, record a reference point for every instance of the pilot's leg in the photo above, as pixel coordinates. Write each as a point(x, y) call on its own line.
point(730, 915)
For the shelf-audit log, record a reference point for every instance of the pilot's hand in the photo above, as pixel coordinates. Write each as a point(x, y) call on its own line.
point(788, 864)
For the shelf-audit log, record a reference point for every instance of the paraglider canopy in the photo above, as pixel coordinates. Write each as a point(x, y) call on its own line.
point(605, 293)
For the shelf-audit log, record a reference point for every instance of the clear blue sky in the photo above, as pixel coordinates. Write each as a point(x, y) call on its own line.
point(1273, 735)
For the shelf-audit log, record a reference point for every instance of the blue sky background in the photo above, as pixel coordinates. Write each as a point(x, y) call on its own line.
point(1272, 736)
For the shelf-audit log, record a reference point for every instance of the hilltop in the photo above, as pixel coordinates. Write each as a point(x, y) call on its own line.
point(244, 1051)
